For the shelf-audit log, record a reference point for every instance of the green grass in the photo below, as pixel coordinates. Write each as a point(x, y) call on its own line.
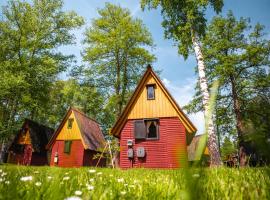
point(221, 183)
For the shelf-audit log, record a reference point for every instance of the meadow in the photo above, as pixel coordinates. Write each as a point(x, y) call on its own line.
point(18, 182)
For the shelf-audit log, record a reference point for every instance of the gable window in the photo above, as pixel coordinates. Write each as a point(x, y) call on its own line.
point(67, 146)
point(70, 122)
point(146, 129)
point(150, 92)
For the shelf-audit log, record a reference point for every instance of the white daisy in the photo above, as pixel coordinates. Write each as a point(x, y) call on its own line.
point(73, 198)
point(78, 192)
point(90, 187)
point(27, 178)
point(38, 184)
point(66, 178)
point(92, 171)
point(120, 180)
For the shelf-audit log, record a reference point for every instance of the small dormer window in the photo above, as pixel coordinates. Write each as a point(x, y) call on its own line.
point(150, 92)
point(70, 122)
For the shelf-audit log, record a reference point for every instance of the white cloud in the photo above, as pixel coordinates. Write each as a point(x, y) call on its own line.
point(183, 94)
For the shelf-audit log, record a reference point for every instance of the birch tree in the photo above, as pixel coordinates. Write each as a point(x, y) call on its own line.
point(185, 23)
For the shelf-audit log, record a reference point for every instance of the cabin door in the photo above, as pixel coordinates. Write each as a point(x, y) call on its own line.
point(27, 155)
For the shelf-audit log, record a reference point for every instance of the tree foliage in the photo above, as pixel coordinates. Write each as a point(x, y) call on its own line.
point(116, 48)
point(238, 56)
point(30, 34)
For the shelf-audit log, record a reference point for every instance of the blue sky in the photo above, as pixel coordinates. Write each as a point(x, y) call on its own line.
point(177, 74)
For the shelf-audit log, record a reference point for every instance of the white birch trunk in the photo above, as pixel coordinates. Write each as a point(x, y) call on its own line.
point(212, 137)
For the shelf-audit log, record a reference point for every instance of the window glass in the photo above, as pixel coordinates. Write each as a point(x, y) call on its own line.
point(67, 146)
point(70, 122)
point(152, 129)
point(150, 92)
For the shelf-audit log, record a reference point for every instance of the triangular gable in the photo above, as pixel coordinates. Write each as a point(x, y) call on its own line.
point(83, 128)
point(63, 133)
point(170, 107)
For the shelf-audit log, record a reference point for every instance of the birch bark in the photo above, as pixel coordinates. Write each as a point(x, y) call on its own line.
point(212, 137)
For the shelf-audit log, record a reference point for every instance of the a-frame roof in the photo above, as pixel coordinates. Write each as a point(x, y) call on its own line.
point(91, 134)
point(124, 116)
point(39, 134)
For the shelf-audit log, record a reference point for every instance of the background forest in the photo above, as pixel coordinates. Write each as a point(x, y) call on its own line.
point(116, 50)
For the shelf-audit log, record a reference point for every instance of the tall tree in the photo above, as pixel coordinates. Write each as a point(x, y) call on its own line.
point(117, 51)
point(185, 23)
point(239, 58)
point(30, 33)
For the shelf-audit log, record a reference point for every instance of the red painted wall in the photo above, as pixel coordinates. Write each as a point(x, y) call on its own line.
point(73, 159)
point(169, 151)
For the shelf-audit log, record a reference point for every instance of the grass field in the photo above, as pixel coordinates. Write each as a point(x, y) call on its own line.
point(18, 182)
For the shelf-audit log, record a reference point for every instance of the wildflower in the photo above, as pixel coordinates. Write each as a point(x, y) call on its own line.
point(66, 173)
point(49, 177)
point(99, 173)
point(196, 175)
point(1, 170)
point(78, 192)
point(91, 180)
point(73, 198)
point(66, 178)
point(123, 192)
point(7, 182)
point(4, 173)
point(36, 172)
point(27, 178)
point(90, 187)
point(125, 184)
point(92, 171)
point(1, 179)
point(38, 184)
point(120, 180)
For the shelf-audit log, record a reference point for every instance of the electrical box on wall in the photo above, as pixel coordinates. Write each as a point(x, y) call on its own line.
point(140, 152)
point(130, 153)
point(129, 143)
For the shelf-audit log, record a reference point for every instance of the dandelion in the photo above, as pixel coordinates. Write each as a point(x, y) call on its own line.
point(99, 173)
point(38, 184)
point(92, 180)
point(123, 192)
point(92, 171)
point(90, 187)
point(73, 198)
point(78, 192)
point(7, 182)
point(120, 180)
point(66, 178)
point(27, 178)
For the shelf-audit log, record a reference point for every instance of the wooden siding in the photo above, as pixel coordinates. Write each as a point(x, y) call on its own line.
point(159, 107)
point(24, 138)
point(70, 134)
point(72, 159)
point(169, 151)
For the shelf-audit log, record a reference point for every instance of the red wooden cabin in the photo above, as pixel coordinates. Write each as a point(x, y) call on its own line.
point(76, 141)
point(28, 146)
point(152, 129)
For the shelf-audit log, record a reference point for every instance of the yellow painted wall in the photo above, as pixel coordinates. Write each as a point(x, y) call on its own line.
point(24, 138)
point(69, 134)
point(159, 107)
